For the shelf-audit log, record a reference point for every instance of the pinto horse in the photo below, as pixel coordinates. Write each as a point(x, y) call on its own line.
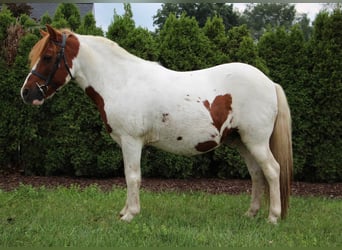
point(188, 113)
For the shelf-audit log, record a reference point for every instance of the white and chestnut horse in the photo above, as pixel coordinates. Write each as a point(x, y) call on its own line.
point(143, 103)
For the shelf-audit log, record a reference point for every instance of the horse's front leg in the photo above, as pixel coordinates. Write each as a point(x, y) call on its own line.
point(131, 150)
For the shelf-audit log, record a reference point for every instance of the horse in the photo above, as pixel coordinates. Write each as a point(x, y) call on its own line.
point(188, 113)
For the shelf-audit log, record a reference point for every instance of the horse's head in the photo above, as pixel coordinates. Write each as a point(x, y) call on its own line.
point(51, 65)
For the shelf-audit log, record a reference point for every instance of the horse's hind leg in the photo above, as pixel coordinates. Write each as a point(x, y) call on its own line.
point(270, 167)
point(258, 180)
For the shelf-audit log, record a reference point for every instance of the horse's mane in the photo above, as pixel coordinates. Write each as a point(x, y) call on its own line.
point(40, 46)
point(38, 49)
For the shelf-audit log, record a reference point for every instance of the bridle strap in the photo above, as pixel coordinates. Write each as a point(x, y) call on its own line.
point(48, 79)
point(63, 55)
point(38, 74)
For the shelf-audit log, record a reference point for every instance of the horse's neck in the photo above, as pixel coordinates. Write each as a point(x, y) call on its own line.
point(102, 63)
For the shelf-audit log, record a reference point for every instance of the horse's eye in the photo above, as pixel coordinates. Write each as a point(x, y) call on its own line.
point(47, 58)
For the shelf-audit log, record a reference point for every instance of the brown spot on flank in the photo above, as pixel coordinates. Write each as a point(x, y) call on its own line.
point(165, 117)
point(206, 146)
point(98, 100)
point(219, 109)
point(207, 104)
point(179, 138)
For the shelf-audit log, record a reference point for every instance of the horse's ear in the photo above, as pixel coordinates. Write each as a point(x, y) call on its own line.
point(43, 33)
point(53, 33)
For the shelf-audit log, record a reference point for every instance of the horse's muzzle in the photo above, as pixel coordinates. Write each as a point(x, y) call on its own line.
point(32, 95)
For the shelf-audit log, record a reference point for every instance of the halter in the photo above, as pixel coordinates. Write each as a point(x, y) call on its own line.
point(48, 79)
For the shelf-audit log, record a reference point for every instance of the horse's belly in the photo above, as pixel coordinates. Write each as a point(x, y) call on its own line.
point(191, 124)
point(191, 136)
point(183, 143)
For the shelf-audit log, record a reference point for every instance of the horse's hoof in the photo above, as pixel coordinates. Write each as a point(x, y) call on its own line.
point(272, 220)
point(127, 217)
point(250, 213)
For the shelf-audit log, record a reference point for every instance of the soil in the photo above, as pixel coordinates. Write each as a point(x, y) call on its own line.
point(10, 181)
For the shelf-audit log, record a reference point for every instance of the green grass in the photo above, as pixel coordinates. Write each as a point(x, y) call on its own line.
point(89, 217)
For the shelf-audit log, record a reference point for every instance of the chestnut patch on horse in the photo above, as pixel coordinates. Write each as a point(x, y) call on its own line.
point(98, 100)
point(207, 104)
point(206, 146)
point(219, 110)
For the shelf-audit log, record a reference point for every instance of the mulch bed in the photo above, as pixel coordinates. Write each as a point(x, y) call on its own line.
point(11, 181)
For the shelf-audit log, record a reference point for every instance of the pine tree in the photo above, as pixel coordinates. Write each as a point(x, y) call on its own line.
point(260, 16)
point(285, 53)
point(138, 41)
point(6, 18)
point(326, 92)
point(121, 26)
point(45, 19)
point(214, 29)
point(13, 115)
point(241, 48)
point(88, 26)
point(200, 11)
point(183, 45)
point(67, 15)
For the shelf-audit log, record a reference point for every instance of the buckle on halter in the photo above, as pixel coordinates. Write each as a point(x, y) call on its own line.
point(41, 89)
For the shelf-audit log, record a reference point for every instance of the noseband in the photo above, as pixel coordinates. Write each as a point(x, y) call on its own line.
point(48, 79)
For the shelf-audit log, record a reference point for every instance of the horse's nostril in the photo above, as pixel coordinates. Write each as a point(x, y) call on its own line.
point(25, 92)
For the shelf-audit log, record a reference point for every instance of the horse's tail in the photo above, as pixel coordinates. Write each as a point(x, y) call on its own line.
point(281, 147)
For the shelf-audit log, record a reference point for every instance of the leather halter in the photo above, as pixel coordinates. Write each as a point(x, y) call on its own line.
point(48, 80)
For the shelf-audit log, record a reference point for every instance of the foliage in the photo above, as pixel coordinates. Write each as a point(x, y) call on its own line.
point(200, 11)
point(10, 45)
point(121, 26)
point(17, 9)
point(260, 16)
point(64, 138)
point(46, 19)
point(285, 54)
point(228, 164)
point(304, 23)
point(326, 91)
point(6, 18)
point(182, 36)
point(88, 26)
point(66, 135)
point(159, 163)
point(137, 41)
point(214, 29)
point(12, 126)
point(27, 22)
point(311, 76)
point(241, 48)
point(67, 15)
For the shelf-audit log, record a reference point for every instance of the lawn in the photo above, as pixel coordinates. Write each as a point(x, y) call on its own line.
point(89, 217)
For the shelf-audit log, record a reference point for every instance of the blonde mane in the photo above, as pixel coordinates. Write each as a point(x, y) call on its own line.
point(38, 49)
